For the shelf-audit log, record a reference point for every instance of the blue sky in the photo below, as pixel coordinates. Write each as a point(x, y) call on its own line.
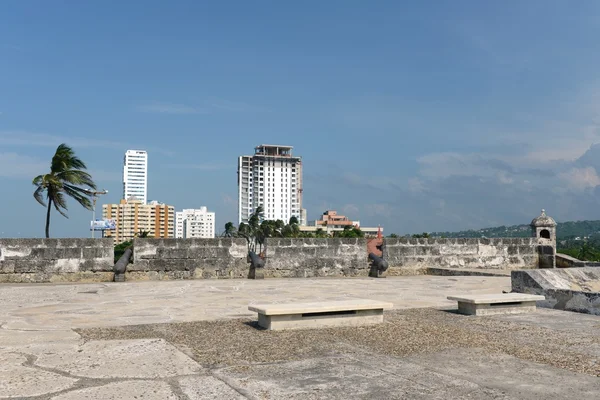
point(419, 116)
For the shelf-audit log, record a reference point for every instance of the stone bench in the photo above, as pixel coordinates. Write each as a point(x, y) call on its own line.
point(491, 304)
point(321, 314)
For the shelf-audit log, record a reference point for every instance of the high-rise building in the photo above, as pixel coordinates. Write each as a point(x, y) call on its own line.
point(135, 175)
point(195, 223)
point(271, 178)
point(132, 217)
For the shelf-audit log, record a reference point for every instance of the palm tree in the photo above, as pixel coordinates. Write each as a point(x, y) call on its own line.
point(251, 230)
point(229, 230)
point(66, 177)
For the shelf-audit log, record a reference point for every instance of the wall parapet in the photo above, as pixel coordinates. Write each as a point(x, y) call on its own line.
point(158, 259)
point(472, 253)
point(314, 257)
point(56, 260)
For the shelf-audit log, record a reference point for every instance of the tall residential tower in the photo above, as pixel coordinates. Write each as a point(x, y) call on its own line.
point(271, 178)
point(135, 175)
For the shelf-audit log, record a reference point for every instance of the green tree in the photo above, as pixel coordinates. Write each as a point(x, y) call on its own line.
point(252, 230)
point(320, 233)
point(120, 249)
point(422, 235)
point(229, 230)
point(392, 235)
point(66, 178)
point(349, 232)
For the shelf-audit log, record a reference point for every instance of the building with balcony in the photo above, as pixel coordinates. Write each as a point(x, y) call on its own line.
point(271, 178)
point(132, 216)
point(195, 223)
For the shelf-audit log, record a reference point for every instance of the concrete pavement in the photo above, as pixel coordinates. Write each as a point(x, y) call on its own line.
point(42, 357)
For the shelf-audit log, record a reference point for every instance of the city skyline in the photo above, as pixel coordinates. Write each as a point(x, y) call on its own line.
point(420, 117)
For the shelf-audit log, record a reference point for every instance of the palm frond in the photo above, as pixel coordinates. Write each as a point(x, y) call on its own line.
point(59, 203)
point(79, 195)
point(39, 195)
point(38, 180)
point(75, 177)
point(65, 159)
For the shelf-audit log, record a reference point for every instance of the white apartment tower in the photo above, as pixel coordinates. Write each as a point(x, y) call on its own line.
point(135, 175)
point(195, 223)
point(271, 178)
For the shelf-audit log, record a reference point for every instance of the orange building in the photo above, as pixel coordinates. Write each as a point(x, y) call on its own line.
point(331, 222)
point(132, 216)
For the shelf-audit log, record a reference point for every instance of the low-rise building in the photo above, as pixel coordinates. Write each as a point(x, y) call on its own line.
point(195, 223)
point(331, 222)
point(132, 216)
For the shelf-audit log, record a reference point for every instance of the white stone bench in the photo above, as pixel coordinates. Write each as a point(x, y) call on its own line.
point(491, 304)
point(322, 314)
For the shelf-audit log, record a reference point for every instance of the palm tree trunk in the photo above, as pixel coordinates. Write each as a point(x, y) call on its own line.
point(48, 219)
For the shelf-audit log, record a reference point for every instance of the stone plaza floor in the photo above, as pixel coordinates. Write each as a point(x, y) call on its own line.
point(197, 340)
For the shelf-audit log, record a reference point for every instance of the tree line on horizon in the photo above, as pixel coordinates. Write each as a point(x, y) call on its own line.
point(258, 229)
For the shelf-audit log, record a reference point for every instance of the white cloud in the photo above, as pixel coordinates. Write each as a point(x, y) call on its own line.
point(504, 178)
point(34, 139)
point(13, 165)
point(237, 106)
point(24, 138)
point(379, 210)
point(209, 106)
point(415, 185)
point(350, 210)
point(581, 178)
point(171, 108)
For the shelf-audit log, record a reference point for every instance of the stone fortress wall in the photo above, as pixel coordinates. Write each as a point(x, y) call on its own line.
point(308, 257)
point(56, 260)
point(406, 255)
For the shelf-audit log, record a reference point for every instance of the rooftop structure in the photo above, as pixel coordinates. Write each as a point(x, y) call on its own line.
point(331, 222)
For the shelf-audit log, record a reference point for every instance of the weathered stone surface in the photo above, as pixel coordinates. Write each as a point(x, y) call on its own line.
point(41, 260)
point(60, 307)
point(146, 358)
point(512, 377)
point(20, 380)
point(207, 388)
point(417, 254)
point(565, 261)
point(160, 259)
point(149, 390)
point(316, 257)
point(571, 289)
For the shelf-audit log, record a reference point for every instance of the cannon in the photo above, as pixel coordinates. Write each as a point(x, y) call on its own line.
point(378, 266)
point(256, 266)
point(121, 265)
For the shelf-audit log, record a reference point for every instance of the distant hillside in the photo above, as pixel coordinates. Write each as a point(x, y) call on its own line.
point(564, 230)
